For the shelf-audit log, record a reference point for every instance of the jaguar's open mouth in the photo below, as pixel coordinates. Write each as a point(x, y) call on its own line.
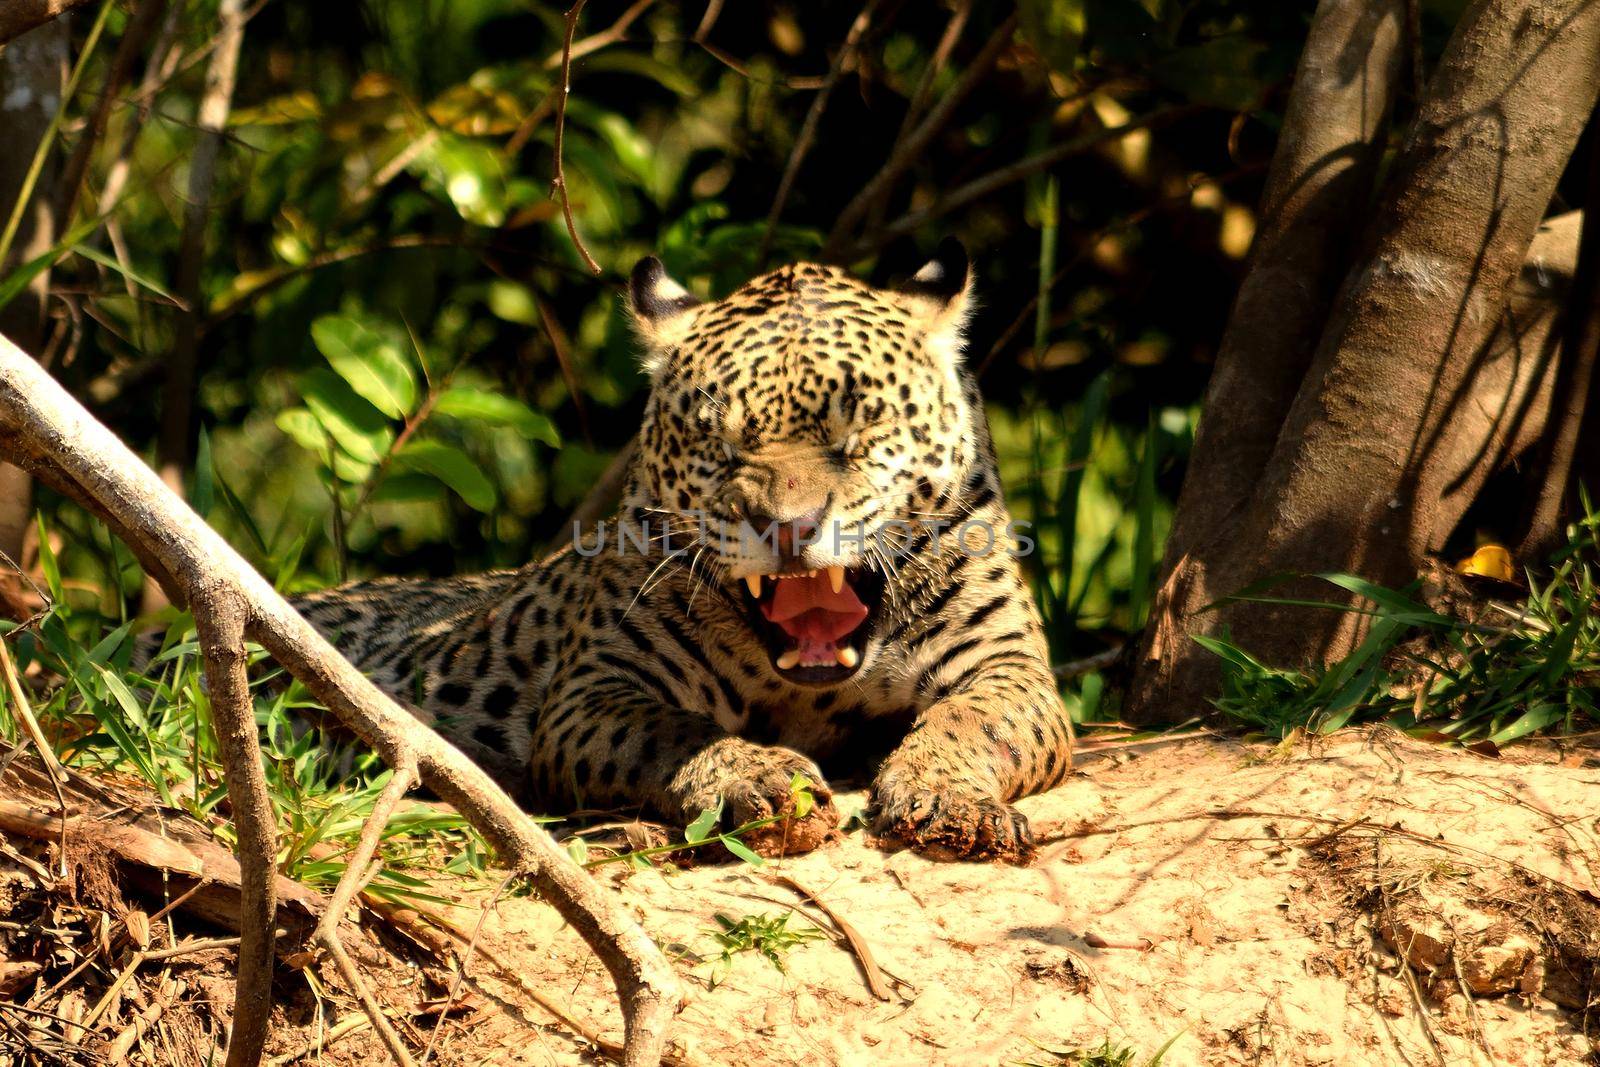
point(815, 623)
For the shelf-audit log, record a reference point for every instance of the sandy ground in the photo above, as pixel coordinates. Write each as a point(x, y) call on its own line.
point(1243, 903)
point(1363, 899)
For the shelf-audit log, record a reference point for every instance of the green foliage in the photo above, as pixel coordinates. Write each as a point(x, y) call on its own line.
point(155, 723)
point(405, 368)
point(1108, 1053)
point(1505, 674)
point(768, 936)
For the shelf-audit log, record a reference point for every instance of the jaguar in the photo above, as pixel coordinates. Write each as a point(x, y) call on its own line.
point(812, 566)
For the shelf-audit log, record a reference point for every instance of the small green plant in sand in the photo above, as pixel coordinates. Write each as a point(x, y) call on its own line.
point(769, 936)
point(1107, 1054)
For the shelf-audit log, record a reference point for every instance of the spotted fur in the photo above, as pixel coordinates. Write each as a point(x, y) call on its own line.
point(629, 679)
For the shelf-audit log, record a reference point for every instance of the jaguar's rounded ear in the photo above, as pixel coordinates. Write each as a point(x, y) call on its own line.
point(661, 310)
point(940, 295)
point(944, 278)
point(654, 297)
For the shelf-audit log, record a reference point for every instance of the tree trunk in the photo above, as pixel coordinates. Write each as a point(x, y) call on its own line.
point(32, 72)
point(1363, 462)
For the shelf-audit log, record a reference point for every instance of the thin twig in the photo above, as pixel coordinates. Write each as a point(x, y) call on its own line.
point(596, 41)
point(320, 1043)
point(858, 944)
point(558, 178)
point(911, 146)
point(808, 130)
point(360, 867)
point(171, 990)
point(563, 351)
point(30, 726)
point(140, 25)
point(708, 20)
point(983, 186)
point(1099, 661)
point(461, 970)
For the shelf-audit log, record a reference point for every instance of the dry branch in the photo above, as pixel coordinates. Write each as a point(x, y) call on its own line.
point(44, 429)
point(17, 17)
point(219, 618)
point(558, 177)
point(913, 141)
point(808, 129)
point(359, 870)
point(156, 859)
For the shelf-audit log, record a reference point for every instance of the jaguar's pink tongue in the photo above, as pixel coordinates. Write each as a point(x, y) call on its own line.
point(813, 615)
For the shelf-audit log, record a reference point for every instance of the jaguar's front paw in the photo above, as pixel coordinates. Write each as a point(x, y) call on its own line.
point(950, 824)
point(757, 782)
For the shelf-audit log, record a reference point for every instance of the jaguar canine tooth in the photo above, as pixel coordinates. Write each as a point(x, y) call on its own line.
point(789, 659)
point(753, 583)
point(848, 657)
point(836, 577)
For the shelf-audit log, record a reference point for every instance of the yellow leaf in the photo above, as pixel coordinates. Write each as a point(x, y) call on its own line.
point(1489, 561)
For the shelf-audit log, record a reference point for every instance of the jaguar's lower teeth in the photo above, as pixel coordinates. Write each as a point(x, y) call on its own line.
point(789, 659)
point(848, 657)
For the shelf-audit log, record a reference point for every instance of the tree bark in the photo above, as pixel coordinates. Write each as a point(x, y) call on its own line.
point(32, 72)
point(17, 17)
point(1321, 173)
point(1356, 477)
point(44, 429)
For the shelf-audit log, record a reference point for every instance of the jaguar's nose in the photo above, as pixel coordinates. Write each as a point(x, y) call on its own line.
point(789, 537)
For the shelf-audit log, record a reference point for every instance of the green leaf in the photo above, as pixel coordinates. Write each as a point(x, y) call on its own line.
point(578, 849)
point(513, 302)
point(13, 284)
point(49, 564)
point(302, 427)
point(144, 281)
point(369, 361)
point(738, 848)
point(451, 466)
point(700, 829)
point(354, 424)
point(472, 175)
point(480, 405)
point(408, 489)
point(800, 789)
point(1533, 720)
